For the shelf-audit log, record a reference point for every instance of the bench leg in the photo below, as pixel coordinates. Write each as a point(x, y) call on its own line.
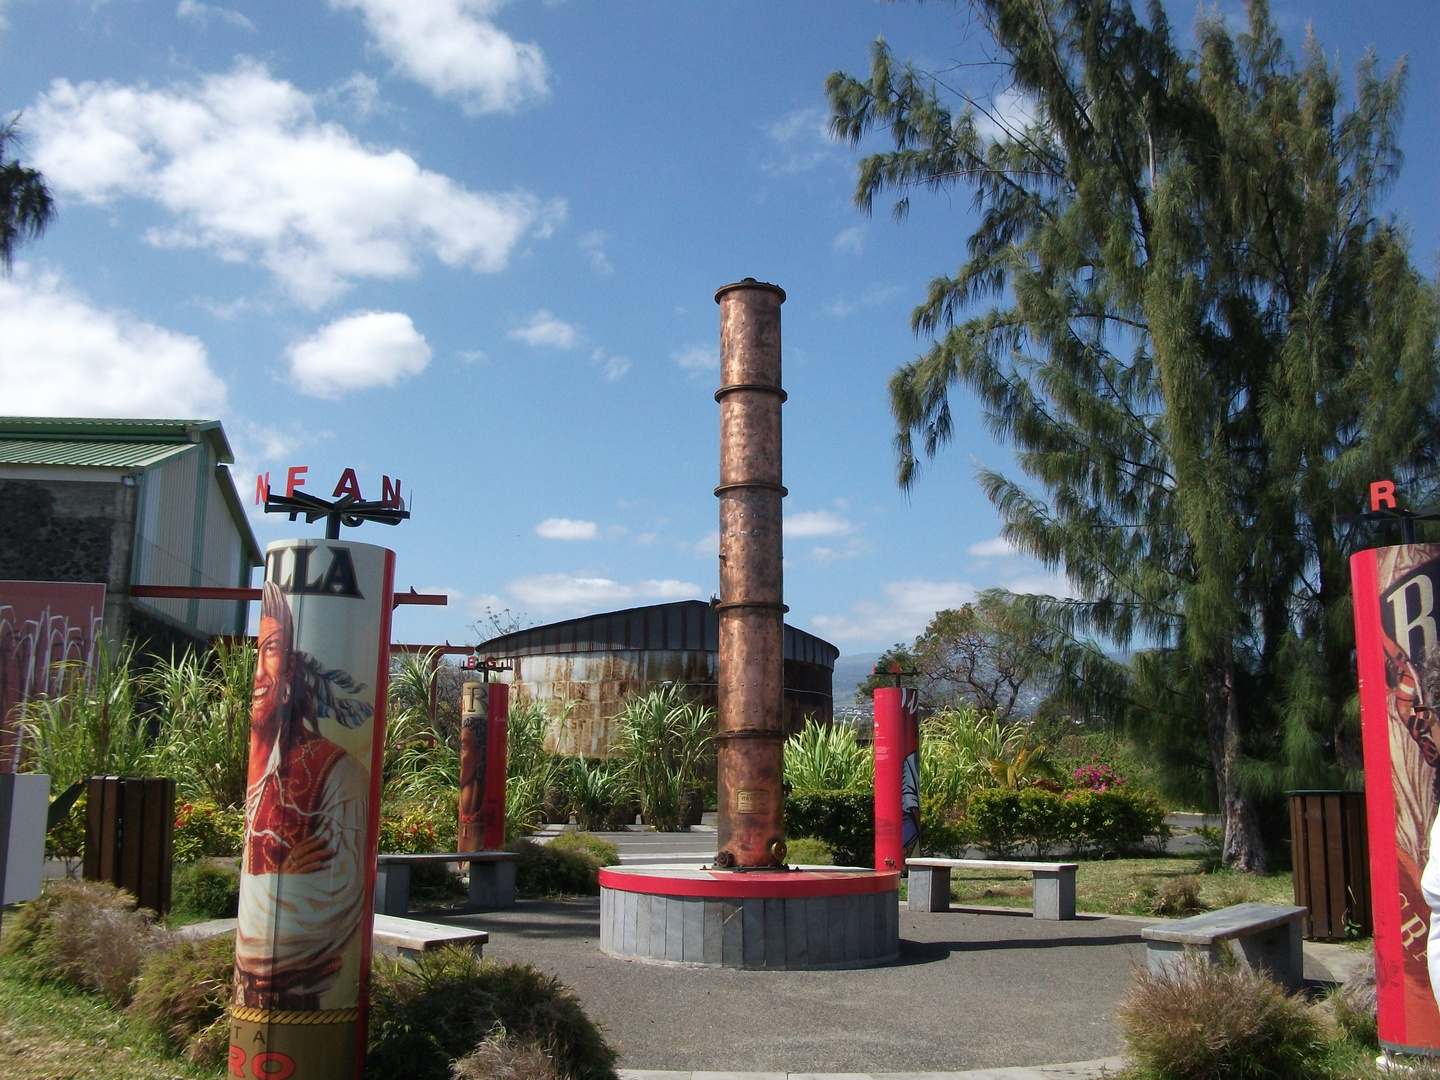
point(1279, 951)
point(1054, 894)
point(1164, 958)
point(392, 889)
point(492, 885)
point(929, 888)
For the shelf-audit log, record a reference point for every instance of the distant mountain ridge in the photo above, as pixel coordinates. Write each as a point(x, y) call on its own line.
point(850, 672)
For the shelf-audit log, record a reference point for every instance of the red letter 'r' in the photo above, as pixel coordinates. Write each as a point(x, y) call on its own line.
point(1382, 493)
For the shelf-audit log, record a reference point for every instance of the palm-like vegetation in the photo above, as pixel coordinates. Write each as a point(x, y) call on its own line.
point(662, 745)
point(828, 757)
point(25, 203)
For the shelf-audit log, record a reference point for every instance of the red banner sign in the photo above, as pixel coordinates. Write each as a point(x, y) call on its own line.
point(43, 626)
point(1395, 593)
point(897, 776)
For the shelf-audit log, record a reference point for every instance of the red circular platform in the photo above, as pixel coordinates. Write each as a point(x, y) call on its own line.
point(750, 884)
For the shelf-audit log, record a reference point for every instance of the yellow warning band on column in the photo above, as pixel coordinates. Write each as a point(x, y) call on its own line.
point(291, 1016)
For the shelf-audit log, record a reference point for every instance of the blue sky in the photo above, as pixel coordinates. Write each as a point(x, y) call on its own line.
point(473, 245)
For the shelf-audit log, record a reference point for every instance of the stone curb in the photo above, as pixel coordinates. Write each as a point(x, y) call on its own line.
point(1074, 1070)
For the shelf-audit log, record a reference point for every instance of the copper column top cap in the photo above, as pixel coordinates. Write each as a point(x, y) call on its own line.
point(749, 283)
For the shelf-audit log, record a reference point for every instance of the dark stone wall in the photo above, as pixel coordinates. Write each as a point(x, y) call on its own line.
point(56, 530)
point(161, 638)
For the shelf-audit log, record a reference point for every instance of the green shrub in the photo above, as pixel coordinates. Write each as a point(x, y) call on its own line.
point(85, 933)
point(1211, 1022)
point(183, 991)
point(843, 819)
point(1353, 1005)
point(1114, 821)
point(604, 852)
point(1104, 822)
point(545, 870)
point(943, 831)
point(809, 851)
point(66, 841)
point(205, 889)
point(994, 814)
point(447, 1003)
point(411, 832)
point(204, 830)
point(504, 1057)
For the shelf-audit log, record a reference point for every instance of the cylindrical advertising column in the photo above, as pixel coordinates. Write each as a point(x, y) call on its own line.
point(897, 776)
point(492, 810)
point(312, 812)
point(1395, 591)
point(474, 740)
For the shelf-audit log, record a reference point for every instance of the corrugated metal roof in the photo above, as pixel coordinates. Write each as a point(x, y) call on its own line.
point(682, 625)
point(99, 453)
point(84, 429)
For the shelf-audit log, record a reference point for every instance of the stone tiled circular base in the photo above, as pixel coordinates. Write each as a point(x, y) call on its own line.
point(787, 920)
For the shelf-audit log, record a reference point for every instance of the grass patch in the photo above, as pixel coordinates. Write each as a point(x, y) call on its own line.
point(50, 1030)
point(1160, 885)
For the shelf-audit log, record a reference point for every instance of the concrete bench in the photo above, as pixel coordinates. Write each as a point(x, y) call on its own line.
point(492, 878)
point(408, 938)
point(389, 936)
point(1260, 936)
point(1053, 889)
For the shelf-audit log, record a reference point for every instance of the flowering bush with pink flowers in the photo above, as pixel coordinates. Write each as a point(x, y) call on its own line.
point(1096, 776)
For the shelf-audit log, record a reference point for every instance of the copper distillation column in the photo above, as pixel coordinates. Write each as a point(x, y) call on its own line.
point(750, 822)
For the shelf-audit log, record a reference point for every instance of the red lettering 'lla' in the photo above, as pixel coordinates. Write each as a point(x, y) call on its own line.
point(348, 485)
point(1382, 493)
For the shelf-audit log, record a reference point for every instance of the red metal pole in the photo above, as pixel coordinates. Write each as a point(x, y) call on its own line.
point(492, 812)
point(889, 826)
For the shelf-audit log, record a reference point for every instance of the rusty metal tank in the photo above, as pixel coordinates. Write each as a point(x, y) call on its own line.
point(750, 822)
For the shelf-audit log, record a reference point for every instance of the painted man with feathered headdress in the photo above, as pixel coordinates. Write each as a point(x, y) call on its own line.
point(305, 826)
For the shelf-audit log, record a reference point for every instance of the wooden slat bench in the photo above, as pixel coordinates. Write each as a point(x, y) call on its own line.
point(1053, 891)
point(1260, 936)
point(492, 878)
point(408, 938)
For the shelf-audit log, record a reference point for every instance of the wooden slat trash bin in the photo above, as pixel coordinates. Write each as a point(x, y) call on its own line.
point(129, 835)
point(1331, 854)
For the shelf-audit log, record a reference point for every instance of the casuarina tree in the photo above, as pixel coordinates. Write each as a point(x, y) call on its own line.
point(1183, 310)
point(25, 203)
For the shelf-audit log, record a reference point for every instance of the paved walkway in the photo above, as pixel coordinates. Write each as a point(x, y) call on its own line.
point(1075, 1070)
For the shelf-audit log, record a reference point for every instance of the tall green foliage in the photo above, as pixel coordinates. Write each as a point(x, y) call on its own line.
point(662, 744)
point(1207, 340)
point(203, 703)
point(828, 757)
point(96, 726)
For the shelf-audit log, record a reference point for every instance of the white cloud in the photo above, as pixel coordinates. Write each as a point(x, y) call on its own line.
point(357, 352)
point(201, 13)
point(359, 93)
point(841, 308)
point(1041, 585)
point(566, 529)
point(1006, 113)
point(902, 614)
point(803, 139)
point(593, 245)
point(816, 523)
point(851, 240)
point(996, 548)
point(248, 172)
point(452, 48)
point(707, 547)
point(564, 592)
point(697, 359)
point(613, 367)
point(61, 356)
point(545, 330)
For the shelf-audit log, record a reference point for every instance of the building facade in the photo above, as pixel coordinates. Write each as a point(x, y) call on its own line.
point(122, 503)
point(594, 663)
